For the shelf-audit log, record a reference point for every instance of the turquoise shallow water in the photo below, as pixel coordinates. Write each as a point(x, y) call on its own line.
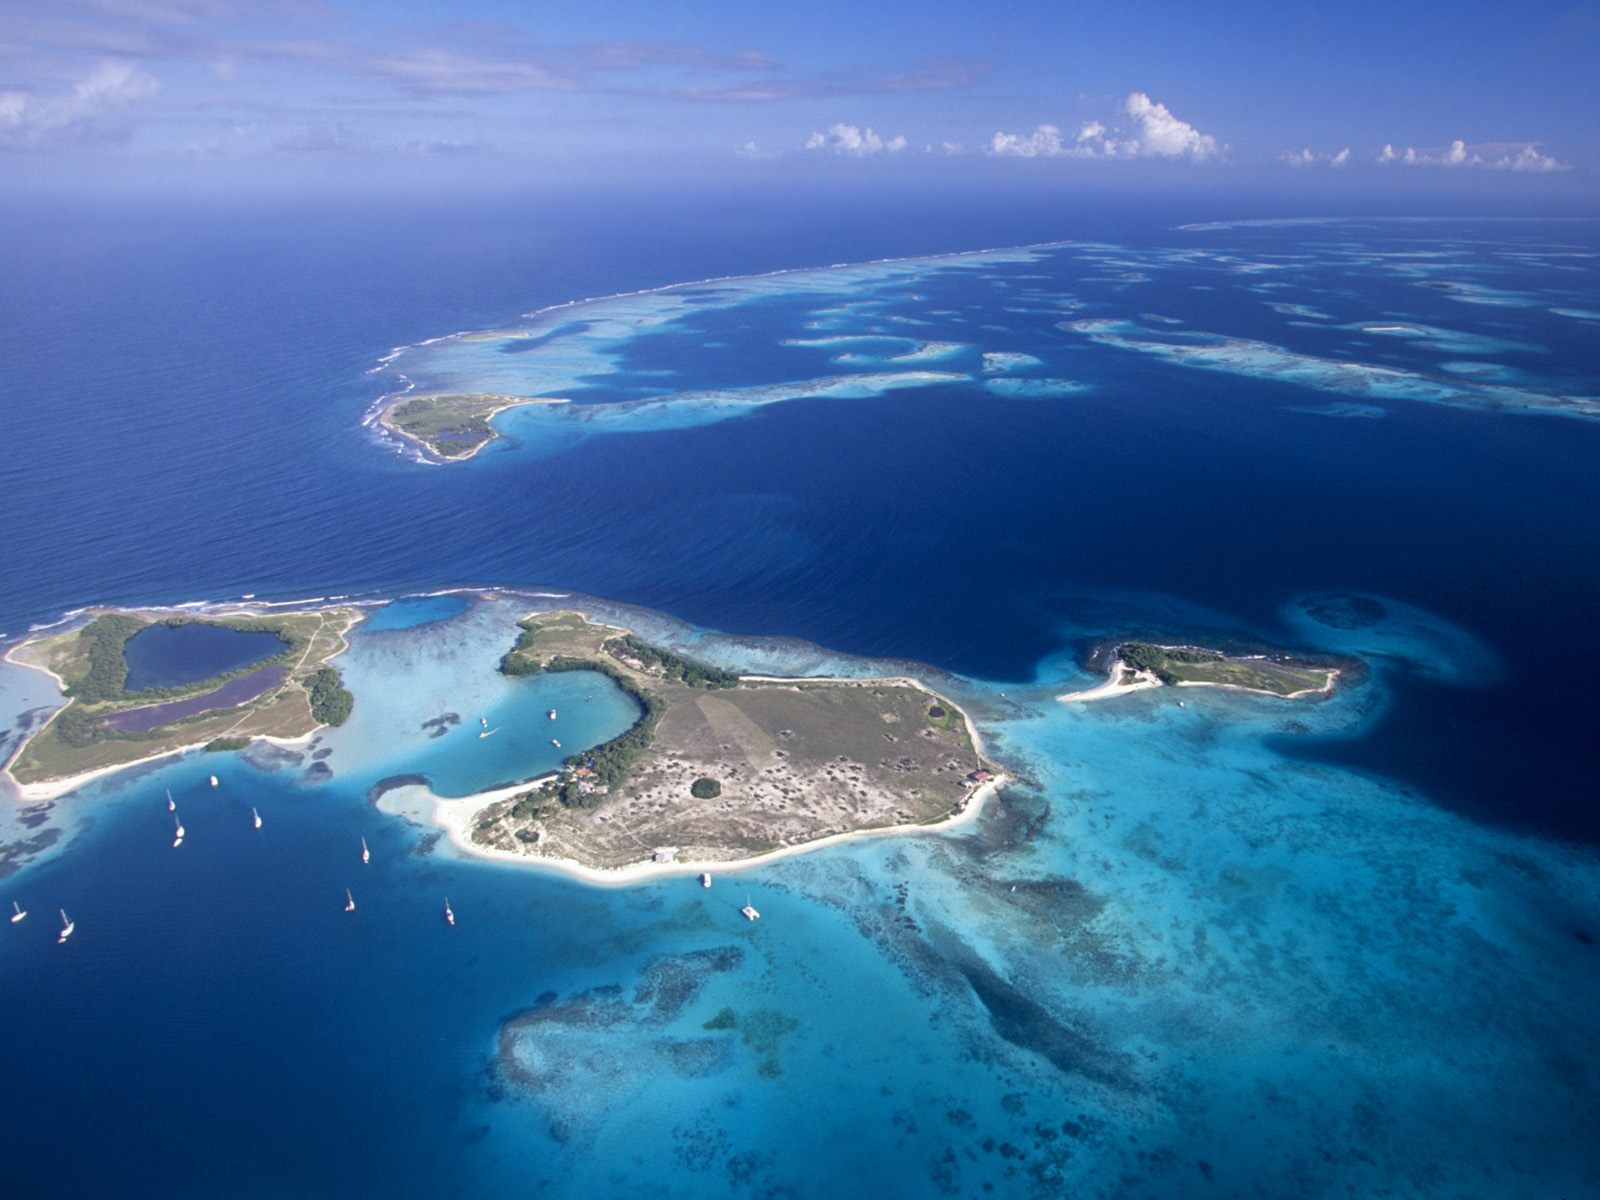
point(1169, 935)
point(1229, 947)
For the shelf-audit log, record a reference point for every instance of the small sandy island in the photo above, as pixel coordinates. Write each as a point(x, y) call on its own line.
point(722, 770)
point(1138, 666)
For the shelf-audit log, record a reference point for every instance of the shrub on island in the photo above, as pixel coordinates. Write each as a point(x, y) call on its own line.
point(216, 745)
point(705, 788)
point(330, 701)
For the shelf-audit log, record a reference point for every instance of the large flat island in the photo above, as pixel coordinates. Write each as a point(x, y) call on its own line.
point(721, 767)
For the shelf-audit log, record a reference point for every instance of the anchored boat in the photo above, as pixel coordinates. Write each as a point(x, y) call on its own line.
point(17, 912)
point(67, 926)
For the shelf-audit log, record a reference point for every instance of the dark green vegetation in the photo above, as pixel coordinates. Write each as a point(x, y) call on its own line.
point(672, 666)
point(1275, 674)
point(519, 660)
point(705, 788)
point(104, 638)
point(330, 701)
point(1160, 660)
point(216, 745)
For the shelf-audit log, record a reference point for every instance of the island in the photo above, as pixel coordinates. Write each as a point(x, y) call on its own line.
point(141, 684)
point(451, 427)
point(723, 768)
point(1135, 666)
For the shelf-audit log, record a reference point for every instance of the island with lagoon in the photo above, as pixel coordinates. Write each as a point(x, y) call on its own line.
point(141, 684)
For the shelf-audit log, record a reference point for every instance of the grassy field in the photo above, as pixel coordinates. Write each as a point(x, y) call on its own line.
point(1278, 675)
point(797, 761)
point(282, 711)
point(452, 426)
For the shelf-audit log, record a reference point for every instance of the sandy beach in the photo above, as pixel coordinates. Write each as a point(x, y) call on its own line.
point(1113, 686)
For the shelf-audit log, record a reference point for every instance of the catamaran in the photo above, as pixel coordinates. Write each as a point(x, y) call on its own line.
point(255, 817)
point(177, 833)
point(749, 910)
point(366, 855)
point(450, 917)
point(67, 927)
point(17, 912)
point(349, 901)
point(172, 805)
point(555, 743)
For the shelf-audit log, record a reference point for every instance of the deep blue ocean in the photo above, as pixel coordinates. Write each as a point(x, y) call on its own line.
point(1235, 917)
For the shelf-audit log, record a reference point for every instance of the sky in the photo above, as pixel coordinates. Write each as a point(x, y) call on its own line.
point(106, 94)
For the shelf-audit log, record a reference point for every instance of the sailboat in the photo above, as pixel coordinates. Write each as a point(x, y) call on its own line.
point(450, 917)
point(67, 927)
point(213, 781)
point(555, 743)
point(705, 879)
point(177, 835)
point(17, 912)
point(366, 855)
point(486, 732)
point(172, 805)
point(349, 901)
point(255, 817)
point(749, 910)
point(552, 714)
point(483, 721)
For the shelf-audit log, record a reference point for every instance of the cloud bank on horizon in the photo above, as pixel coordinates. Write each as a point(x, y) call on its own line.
point(168, 86)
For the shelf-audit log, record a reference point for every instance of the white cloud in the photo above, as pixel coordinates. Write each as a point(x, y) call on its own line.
point(1164, 136)
point(1043, 142)
point(1153, 133)
point(855, 141)
point(92, 113)
point(1305, 158)
point(1494, 156)
point(1528, 159)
